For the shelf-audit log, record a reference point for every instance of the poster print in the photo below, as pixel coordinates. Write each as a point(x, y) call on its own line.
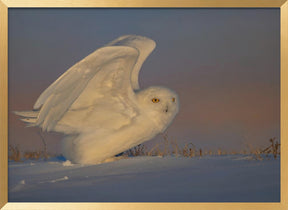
point(223, 145)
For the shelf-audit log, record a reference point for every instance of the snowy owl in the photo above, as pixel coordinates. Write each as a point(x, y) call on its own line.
point(98, 105)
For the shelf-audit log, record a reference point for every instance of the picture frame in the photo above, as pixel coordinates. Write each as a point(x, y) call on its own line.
point(4, 10)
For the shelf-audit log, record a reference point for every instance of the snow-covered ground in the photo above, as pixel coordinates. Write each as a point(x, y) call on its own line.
point(148, 179)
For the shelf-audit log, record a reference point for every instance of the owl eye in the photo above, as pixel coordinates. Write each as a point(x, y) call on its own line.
point(155, 100)
point(173, 99)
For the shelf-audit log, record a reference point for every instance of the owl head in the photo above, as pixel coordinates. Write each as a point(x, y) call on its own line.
point(160, 104)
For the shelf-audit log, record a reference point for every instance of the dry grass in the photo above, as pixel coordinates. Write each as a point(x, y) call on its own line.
point(274, 148)
point(166, 147)
point(16, 155)
point(139, 150)
point(169, 147)
point(259, 154)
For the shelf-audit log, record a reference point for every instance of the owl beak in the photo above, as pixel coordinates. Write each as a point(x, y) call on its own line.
point(166, 110)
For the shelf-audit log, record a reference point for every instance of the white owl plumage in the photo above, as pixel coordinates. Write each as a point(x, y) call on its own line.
point(97, 103)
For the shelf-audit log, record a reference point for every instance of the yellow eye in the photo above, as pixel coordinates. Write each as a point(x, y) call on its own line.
point(173, 99)
point(155, 100)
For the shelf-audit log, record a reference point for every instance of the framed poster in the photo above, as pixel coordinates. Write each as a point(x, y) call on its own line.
point(225, 60)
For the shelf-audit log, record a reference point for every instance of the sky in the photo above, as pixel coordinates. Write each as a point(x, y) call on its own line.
point(223, 63)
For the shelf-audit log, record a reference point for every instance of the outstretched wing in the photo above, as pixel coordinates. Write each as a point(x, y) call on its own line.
point(143, 44)
point(107, 71)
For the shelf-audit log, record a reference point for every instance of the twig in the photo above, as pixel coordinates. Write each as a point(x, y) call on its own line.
point(44, 143)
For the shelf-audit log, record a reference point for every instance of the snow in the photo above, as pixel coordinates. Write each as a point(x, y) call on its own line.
point(61, 179)
point(235, 178)
point(67, 163)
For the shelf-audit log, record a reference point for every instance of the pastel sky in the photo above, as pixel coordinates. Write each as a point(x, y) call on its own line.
point(223, 63)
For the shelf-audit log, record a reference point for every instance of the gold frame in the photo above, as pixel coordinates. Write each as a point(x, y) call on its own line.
point(5, 4)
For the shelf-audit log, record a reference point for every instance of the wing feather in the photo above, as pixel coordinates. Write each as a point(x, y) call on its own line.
point(144, 45)
point(104, 62)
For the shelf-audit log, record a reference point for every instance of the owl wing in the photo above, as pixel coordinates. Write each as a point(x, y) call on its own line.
point(105, 74)
point(143, 44)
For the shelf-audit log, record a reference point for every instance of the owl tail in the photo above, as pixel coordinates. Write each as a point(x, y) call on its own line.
point(29, 117)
